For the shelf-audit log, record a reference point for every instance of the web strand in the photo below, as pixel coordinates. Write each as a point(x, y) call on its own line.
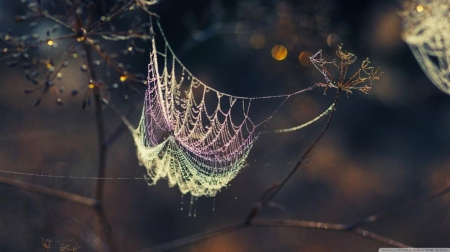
point(190, 133)
point(65, 177)
point(198, 145)
point(427, 32)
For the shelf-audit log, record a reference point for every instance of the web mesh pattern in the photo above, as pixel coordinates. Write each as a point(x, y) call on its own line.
point(427, 32)
point(193, 135)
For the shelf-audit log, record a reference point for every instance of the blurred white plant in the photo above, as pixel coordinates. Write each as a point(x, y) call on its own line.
point(426, 29)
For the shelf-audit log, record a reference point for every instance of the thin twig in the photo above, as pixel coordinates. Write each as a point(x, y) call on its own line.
point(115, 135)
point(103, 221)
point(275, 188)
point(353, 227)
point(328, 227)
point(120, 129)
point(267, 196)
point(85, 201)
point(101, 23)
point(196, 238)
point(410, 204)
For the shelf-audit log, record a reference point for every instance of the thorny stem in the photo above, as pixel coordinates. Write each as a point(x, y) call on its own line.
point(275, 188)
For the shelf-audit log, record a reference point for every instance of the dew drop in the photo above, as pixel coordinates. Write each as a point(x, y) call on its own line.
point(181, 202)
point(191, 203)
point(195, 206)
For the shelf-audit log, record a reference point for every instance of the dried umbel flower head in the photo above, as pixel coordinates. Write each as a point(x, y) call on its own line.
point(47, 244)
point(365, 73)
point(87, 33)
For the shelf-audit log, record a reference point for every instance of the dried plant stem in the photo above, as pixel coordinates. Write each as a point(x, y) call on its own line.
point(119, 11)
point(117, 132)
point(266, 197)
point(396, 210)
point(85, 201)
point(102, 220)
point(354, 227)
point(276, 187)
point(328, 227)
point(196, 238)
point(280, 223)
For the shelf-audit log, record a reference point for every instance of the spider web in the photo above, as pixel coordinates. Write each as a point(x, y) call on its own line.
point(193, 135)
point(427, 32)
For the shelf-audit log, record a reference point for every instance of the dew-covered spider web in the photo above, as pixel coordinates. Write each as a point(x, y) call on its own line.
point(195, 136)
point(427, 32)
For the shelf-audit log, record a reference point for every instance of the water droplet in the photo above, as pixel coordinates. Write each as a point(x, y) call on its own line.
point(182, 202)
point(279, 52)
point(191, 203)
point(419, 8)
point(123, 78)
point(195, 206)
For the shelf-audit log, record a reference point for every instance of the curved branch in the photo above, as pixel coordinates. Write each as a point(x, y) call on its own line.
point(72, 197)
point(276, 187)
point(196, 238)
point(329, 227)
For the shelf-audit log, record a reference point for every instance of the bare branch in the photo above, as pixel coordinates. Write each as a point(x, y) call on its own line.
point(196, 238)
point(329, 227)
point(276, 187)
point(85, 201)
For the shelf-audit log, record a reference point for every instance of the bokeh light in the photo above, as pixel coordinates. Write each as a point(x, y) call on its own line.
point(333, 40)
point(279, 52)
point(304, 58)
point(123, 78)
point(419, 8)
point(257, 41)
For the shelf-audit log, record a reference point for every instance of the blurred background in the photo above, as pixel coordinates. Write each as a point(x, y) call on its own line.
point(381, 150)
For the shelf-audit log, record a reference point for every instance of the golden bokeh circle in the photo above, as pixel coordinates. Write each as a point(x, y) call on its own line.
point(279, 52)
